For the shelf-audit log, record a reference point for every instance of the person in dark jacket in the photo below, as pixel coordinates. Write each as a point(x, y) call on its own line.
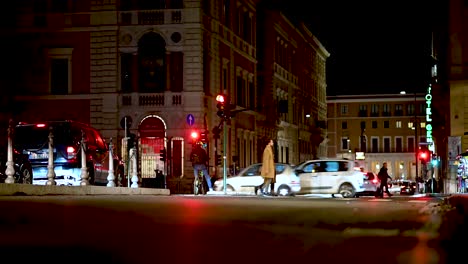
point(199, 159)
point(383, 177)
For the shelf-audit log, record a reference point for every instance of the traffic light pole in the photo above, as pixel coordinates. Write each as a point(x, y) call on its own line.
point(224, 156)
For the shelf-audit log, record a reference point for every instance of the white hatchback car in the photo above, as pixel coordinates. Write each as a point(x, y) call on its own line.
point(330, 176)
point(248, 179)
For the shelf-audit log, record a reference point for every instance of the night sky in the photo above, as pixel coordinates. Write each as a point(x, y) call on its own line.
point(376, 46)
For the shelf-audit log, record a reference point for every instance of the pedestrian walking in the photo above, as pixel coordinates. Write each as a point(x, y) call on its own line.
point(383, 177)
point(268, 167)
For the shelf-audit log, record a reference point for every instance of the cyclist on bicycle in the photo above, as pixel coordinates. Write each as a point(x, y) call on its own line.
point(199, 160)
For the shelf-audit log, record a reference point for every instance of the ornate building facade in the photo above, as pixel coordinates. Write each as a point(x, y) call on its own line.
point(155, 68)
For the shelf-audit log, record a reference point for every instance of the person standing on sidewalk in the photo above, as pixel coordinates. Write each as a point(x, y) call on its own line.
point(268, 167)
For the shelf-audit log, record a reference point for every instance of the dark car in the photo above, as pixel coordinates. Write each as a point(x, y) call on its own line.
point(408, 187)
point(21, 165)
point(33, 141)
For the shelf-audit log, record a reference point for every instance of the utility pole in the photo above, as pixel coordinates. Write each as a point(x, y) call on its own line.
point(416, 143)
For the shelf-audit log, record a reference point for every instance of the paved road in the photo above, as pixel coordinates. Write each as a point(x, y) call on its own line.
point(219, 229)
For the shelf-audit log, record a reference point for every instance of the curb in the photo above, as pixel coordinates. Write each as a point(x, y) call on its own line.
point(27, 189)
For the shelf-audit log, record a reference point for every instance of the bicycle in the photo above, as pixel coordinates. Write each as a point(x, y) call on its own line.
point(198, 184)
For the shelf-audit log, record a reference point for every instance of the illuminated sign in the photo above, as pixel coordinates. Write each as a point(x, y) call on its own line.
point(360, 155)
point(429, 139)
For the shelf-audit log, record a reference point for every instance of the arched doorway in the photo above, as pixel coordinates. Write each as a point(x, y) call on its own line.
point(152, 130)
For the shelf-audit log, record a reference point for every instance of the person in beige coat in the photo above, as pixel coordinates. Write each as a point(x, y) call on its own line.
point(268, 167)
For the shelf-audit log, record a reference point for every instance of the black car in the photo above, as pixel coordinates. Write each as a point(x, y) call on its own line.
point(33, 141)
point(407, 187)
point(22, 166)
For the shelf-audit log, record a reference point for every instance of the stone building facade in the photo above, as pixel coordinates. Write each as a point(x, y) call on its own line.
point(159, 65)
point(373, 129)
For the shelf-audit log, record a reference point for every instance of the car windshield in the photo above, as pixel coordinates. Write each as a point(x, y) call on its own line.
point(32, 136)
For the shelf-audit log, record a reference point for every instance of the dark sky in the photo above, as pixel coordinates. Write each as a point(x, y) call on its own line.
point(376, 46)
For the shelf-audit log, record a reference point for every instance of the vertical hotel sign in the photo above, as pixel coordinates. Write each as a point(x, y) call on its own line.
point(429, 139)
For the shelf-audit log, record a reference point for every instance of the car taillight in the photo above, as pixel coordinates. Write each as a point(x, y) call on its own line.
point(40, 125)
point(71, 152)
point(375, 181)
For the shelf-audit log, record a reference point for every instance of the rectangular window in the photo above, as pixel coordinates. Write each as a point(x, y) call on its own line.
point(251, 92)
point(240, 96)
point(225, 79)
point(386, 124)
point(59, 76)
point(399, 144)
point(398, 124)
point(398, 109)
point(375, 110)
point(410, 144)
point(411, 109)
point(386, 144)
point(363, 124)
point(177, 71)
point(344, 109)
point(374, 124)
point(362, 110)
point(375, 144)
point(344, 143)
point(386, 110)
point(344, 125)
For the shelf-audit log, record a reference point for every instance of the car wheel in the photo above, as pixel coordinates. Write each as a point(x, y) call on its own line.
point(283, 190)
point(229, 188)
point(26, 175)
point(347, 191)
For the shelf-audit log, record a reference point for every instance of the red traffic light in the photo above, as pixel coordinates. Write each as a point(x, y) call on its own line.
point(423, 155)
point(194, 135)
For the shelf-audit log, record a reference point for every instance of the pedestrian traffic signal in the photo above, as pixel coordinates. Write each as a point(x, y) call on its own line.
point(221, 105)
point(204, 136)
point(162, 154)
point(217, 159)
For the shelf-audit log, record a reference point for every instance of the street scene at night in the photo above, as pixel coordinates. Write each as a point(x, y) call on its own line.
point(206, 131)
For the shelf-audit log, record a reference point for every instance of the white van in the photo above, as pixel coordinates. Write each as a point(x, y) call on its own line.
point(329, 176)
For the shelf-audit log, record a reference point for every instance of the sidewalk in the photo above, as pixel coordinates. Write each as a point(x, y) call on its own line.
point(27, 189)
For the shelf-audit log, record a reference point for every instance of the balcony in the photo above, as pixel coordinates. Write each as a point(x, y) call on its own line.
point(166, 99)
point(362, 113)
point(151, 17)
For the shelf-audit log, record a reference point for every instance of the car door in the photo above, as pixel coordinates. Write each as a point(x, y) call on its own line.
point(251, 177)
point(308, 177)
point(328, 177)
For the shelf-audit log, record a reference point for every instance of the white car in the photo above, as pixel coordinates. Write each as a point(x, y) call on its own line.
point(330, 176)
point(248, 179)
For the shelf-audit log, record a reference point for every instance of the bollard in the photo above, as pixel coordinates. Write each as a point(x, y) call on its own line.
point(111, 176)
point(50, 165)
point(134, 168)
point(84, 169)
point(10, 169)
